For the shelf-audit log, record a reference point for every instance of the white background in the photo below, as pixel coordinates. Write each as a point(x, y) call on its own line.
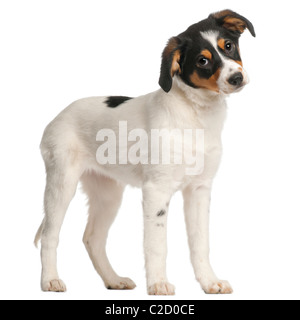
point(54, 52)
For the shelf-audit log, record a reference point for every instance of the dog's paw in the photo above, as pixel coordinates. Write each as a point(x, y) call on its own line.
point(219, 287)
point(161, 289)
point(56, 285)
point(120, 284)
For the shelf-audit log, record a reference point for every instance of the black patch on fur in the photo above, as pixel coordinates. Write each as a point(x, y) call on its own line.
point(161, 213)
point(115, 101)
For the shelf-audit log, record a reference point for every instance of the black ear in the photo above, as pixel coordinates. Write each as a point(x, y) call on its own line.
point(233, 22)
point(171, 63)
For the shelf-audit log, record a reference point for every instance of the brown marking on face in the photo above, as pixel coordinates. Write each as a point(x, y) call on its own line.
point(234, 24)
point(221, 43)
point(175, 63)
point(207, 54)
point(210, 84)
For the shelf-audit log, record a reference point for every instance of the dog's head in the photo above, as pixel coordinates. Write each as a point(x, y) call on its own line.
point(207, 54)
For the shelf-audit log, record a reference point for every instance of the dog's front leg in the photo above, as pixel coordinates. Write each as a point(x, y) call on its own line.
point(196, 205)
point(155, 204)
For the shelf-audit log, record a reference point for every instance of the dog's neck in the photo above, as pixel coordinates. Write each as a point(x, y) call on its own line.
point(199, 98)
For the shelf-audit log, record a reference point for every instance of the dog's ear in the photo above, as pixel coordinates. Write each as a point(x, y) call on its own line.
point(233, 22)
point(171, 63)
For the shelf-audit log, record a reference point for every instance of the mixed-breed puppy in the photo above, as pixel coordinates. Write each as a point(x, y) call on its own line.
point(199, 68)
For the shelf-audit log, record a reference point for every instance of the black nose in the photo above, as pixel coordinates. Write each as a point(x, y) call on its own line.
point(236, 79)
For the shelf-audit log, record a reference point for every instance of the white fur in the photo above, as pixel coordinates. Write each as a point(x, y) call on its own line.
point(69, 149)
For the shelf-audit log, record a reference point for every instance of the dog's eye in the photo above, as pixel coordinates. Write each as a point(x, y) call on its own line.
point(229, 46)
point(203, 62)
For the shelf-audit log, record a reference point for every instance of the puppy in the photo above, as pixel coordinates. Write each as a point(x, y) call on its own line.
point(89, 142)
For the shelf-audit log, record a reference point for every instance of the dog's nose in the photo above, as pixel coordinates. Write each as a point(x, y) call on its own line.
point(236, 79)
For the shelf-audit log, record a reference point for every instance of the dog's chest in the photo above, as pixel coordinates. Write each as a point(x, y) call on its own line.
point(207, 123)
point(202, 148)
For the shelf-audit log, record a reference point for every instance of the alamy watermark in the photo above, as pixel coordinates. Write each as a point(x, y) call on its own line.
point(156, 147)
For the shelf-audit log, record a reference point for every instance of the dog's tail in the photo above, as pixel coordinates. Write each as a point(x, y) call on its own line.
point(38, 234)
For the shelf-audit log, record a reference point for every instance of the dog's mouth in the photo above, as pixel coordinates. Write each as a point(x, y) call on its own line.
point(228, 87)
point(240, 88)
point(230, 90)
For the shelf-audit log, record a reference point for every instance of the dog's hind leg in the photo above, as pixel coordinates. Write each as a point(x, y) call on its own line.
point(63, 173)
point(105, 196)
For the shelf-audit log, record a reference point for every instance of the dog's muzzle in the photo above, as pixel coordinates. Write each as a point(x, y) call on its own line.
point(236, 79)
